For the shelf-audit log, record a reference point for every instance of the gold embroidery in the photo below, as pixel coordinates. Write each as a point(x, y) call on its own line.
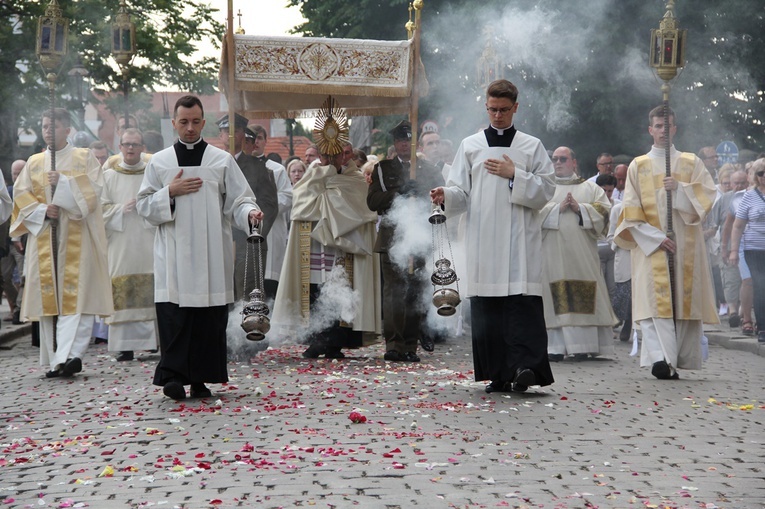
point(133, 291)
point(572, 296)
point(304, 243)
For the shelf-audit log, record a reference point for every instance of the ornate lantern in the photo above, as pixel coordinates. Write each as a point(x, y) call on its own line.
point(52, 37)
point(445, 299)
point(255, 320)
point(668, 45)
point(123, 49)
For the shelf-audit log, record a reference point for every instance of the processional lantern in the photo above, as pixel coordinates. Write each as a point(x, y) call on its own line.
point(255, 320)
point(123, 49)
point(445, 299)
point(666, 58)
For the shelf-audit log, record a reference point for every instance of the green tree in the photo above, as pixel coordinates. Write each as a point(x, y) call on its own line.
point(581, 66)
point(167, 35)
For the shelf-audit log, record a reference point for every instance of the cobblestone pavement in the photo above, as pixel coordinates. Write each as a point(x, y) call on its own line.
point(605, 435)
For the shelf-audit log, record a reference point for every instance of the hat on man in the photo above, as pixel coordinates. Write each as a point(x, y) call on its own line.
point(403, 131)
point(240, 122)
point(249, 134)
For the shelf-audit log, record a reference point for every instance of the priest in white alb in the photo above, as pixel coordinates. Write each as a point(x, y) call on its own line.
point(193, 193)
point(578, 311)
point(133, 326)
point(671, 318)
point(66, 291)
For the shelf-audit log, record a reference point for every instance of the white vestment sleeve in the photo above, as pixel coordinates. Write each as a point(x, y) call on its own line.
point(153, 200)
point(35, 222)
point(647, 237)
point(6, 204)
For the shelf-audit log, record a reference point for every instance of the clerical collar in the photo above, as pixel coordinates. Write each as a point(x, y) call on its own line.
point(190, 146)
point(65, 147)
point(261, 157)
point(138, 167)
point(570, 180)
point(501, 132)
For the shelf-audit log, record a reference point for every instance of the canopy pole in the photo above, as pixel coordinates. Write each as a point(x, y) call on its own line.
point(415, 101)
point(231, 56)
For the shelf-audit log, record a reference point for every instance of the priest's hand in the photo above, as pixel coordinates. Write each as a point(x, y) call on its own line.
point(670, 184)
point(53, 177)
point(504, 168)
point(129, 206)
point(52, 212)
point(668, 245)
point(437, 195)
point(255, 217)
point(570, 203)
point(180, 186)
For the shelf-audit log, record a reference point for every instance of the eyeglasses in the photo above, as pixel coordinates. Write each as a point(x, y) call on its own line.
point(760, 173)
point(131, 145)
point(562, 159)
point(494, 111)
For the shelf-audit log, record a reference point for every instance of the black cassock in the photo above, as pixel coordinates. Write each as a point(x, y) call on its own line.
point(508, 332)
point(192, 341)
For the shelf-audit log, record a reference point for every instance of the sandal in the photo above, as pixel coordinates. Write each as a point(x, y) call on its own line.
point(747, 329)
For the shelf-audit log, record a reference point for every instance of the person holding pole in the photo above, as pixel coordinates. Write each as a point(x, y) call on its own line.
point(671, 317)
point(67, 277)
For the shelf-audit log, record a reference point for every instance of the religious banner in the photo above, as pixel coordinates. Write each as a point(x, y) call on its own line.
point(289, 77)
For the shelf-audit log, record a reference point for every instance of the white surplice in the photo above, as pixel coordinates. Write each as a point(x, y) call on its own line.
point(503, 250)
point(196, 232)
point(277, 237)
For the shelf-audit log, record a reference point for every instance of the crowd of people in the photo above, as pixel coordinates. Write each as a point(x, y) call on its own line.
point(153, 243)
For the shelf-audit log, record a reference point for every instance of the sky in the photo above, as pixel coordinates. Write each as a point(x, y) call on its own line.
point(259, 17)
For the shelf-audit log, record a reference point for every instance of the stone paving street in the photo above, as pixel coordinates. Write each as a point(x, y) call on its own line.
point(605, 435)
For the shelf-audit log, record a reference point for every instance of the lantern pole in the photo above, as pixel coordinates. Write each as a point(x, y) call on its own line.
point(51, 50)
point(123, 49)
point(667, 56)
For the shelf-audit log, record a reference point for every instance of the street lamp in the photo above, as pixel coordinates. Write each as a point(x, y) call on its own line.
point(123, 48)
point(77, 76)
point(51, 50)
point(667, 57)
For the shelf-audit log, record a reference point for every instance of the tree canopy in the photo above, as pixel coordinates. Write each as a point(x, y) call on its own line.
point(167, 35)
point(581, 66)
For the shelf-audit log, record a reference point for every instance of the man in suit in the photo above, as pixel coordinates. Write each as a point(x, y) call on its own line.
point(404, 307)
point(262, 183)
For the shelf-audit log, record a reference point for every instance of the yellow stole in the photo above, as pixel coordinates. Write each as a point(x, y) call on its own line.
point(48, 284)
point(650, 184)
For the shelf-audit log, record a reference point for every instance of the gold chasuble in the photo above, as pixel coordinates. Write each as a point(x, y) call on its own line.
point(644, 216)
point(82, 284)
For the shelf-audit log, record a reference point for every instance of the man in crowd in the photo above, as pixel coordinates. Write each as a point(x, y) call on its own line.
point(261, 181)
point(605, 165)
point(64, 297)
point(330, 225)
point(311, 154)
point(100, 151)
point(133, 326)
point(404, 286)
point(193, 193)
point(670, 317)
point(277, 237)
point(620, 172)
point(502, 177)
point(578, 310)
point(708, 156)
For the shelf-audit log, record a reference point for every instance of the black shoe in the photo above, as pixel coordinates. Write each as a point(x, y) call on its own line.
point(734, 320)
point(662, 371)
point(427, 343)
point(625, 335)
point(72, 366)
point(199, 390)
point(126, 355)
point(314, 351)
point(498, 386)
point(174, 390)
point(16, 320)
point(101, 341)
point(394, 356)
point(580, 357)
point(555, 357)
point(54, 373)
point(334, 353)
point(411, 357)
point(761, 337)
point(524, 377)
